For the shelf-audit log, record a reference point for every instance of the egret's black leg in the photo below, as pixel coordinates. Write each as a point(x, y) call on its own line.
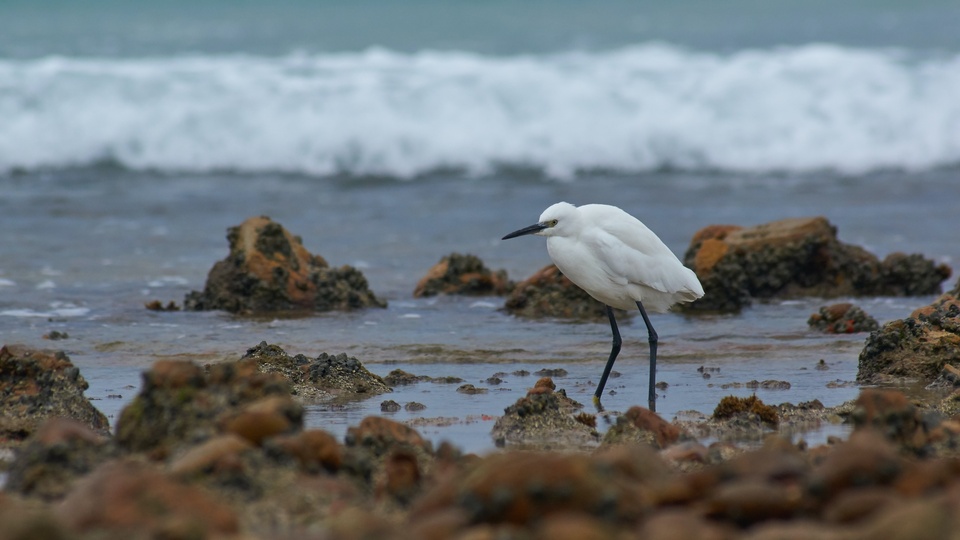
point(652, 334)
point(613, 354)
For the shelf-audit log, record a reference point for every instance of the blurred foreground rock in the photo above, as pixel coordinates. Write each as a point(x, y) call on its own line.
point(182, 402)
point(269, 270)
point(221, 452)
point(128, 498)
point(464, 275)
point(36, 385)
point(798, 257)
point(917, 348)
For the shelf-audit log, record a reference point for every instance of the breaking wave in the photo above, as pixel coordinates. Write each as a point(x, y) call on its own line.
point(379, 112)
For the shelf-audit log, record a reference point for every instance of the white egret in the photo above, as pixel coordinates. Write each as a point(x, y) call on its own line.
point(616, 259)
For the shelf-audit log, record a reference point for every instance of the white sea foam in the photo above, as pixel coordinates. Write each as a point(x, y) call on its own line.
point(168, 281)
point(56, 312)
point(380, 112)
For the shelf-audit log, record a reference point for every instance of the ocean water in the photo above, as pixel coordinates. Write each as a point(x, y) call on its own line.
point(388, 135)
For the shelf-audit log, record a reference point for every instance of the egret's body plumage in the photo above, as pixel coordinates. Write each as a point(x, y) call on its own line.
point(616, 259)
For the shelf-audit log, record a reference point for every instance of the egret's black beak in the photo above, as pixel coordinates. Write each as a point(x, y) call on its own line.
point(533, 229)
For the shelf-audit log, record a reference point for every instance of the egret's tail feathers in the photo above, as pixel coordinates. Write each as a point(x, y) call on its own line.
point(688, 295)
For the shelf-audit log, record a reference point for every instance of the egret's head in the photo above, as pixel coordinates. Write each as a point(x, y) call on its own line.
point(551, 223)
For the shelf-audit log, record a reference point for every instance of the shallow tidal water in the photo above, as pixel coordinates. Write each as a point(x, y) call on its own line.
point(86, 248)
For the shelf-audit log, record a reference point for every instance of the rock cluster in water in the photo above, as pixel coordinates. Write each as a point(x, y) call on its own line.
point(918, 348)
point(318, 378)
point(36, 385)
point(544, 418)
point(798, 257)
point(782, 259)
point(462, 274)
point(842, 318)
point(269, 270)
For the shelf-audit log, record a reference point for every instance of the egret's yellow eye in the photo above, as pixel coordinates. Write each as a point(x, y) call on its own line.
point(552, 223)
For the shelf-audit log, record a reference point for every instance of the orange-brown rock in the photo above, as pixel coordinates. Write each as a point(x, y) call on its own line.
point(684, 524)
point(461, 274)
point(798, 257)
point(381, 435)
point(686, 452)
point(917, 348)
point(921, 477)
point(129, 497)
point(218, 453)
point(866, 459)
point(265, 418)
point(522, 488)
point(181, 402)
point(314, 450)
point(28, 520)
point(640, 424)
point(62, 430)
point(858, 504)
point(402, 477)
point(59, 452)
point(544, 418)
point(733, 406)
point(891, 413)
point(748, 501)
point(635, 462)
point(268, 269)
point(544, 385)
point(174, 374)
point(573, 527)
point(36, 385)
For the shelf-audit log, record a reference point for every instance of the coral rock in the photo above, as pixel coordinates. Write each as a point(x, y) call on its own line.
point(889, 412)
point(125, 497)
point(866, 459)
point(543, 418)
point(461, 274)
point(640, 424)
point(843, 318)
point(798, 257)
point(268, 270)
point(915, 348)
point(381, 435)
point(314, 450)
point(59, 452)
point(181, 402)
point(523, 488)
point(216, 453)
point(264, 418)
point(319, 377)
point(732, 406)
point(36, 385)
point(748, 501)
point(401, 480)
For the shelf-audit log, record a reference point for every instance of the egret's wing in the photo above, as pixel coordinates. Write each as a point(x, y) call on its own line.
point(635, 255)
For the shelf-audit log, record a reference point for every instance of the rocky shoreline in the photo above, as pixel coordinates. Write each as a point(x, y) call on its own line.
point(220, 450)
